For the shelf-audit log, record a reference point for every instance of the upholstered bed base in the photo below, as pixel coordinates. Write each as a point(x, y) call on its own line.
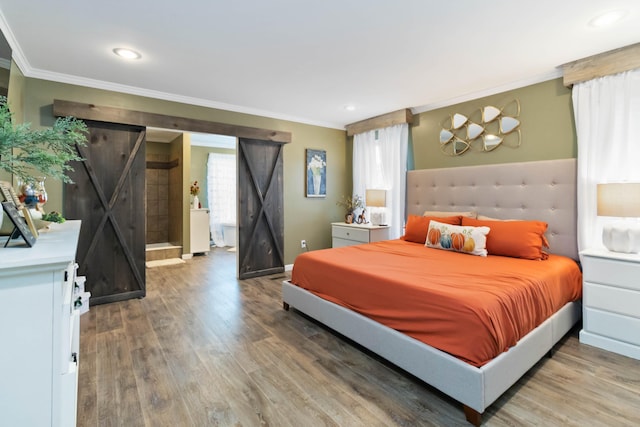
point(474, 387)
point(534, 190)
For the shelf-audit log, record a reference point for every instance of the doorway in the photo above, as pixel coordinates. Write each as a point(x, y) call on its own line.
point(216, 216)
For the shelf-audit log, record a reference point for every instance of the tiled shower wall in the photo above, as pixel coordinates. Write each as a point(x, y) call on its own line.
point(157, 200)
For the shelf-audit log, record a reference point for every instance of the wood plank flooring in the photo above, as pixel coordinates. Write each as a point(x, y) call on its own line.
point(204, 349)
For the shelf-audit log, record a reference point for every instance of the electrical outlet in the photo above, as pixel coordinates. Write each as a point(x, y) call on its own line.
point(303, 244)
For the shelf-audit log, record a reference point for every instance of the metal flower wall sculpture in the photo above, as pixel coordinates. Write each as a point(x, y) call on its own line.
point(484, 130)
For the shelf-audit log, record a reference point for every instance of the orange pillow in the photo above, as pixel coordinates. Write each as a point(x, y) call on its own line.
point(518, 239)
point(417, 226)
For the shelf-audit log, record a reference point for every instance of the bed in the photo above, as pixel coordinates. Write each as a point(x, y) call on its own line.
point(544, 191)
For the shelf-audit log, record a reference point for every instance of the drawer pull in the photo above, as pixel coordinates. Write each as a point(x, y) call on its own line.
point(66, 276)
point(74, 357)
point(77, 303)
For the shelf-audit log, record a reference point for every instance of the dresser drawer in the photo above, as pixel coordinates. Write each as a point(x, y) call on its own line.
point(617, 300)
point(351, 233)
point(612, 325)
point(612, 272)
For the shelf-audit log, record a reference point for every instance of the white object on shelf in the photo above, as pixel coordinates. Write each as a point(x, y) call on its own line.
point(611, 301)
point(200, 238)
point(343, 234)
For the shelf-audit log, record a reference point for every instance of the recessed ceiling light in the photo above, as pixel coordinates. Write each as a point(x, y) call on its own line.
point(126, 53)
point(350, 107)
point(608, 18)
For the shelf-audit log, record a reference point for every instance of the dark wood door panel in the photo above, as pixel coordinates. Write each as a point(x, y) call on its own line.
point(108, 196)
point(260, 208)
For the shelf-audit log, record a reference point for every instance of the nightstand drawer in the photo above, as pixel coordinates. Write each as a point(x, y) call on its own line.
point(612, 325)
point(351, 233)
point(620, 274)
point(617, 300)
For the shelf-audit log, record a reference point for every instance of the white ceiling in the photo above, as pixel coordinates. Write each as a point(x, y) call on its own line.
point(305, 61)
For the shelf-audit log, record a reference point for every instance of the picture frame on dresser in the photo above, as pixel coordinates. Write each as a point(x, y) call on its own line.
point(26, 214)
point(21, 229)
point(9, 194)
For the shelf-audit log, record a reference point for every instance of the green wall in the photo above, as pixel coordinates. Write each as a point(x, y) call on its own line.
point(304, 218)
point(547, 127)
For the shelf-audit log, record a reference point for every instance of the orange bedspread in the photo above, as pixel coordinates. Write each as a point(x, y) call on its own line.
point(469, 306)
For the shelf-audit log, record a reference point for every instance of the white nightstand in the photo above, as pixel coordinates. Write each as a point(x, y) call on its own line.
point(344, 234)
point(611, 301)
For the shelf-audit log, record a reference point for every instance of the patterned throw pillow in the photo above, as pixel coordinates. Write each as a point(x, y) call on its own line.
point(465, 239)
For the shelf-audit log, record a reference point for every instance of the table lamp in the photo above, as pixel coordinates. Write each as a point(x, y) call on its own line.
point(620, 200)
point(377, 199)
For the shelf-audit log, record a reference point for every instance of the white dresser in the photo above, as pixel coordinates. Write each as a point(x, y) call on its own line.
point(39, 330)
point(343, 234)
point(611, 301)
point(200, 238)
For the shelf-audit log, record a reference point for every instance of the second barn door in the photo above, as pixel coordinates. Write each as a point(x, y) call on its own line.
point(260, 208)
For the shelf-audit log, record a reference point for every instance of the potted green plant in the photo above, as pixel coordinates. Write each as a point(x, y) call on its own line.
point(31, 154)
point(28, 154)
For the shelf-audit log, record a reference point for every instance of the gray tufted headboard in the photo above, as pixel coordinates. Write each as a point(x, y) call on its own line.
point(542, 190)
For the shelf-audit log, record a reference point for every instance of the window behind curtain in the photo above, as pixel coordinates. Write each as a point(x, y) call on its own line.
point(221, 193)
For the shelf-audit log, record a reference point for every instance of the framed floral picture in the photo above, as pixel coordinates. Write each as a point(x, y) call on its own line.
point(316, 185)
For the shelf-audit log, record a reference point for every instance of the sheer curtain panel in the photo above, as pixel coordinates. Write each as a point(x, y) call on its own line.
point(607, 114)
point(380, 162)
point(221, 193)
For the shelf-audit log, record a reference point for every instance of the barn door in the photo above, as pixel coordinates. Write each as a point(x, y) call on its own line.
point(260, 208)
point(108, 196)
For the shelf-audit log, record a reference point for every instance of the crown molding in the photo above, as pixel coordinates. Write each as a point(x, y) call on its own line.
point(539, 78)
point(132, 90)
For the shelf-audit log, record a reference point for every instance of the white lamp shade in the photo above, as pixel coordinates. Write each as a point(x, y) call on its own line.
point(619, 199)
point(376, 198)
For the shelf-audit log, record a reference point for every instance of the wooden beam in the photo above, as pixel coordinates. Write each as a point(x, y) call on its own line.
point(379, 122)
point(139, 118)
point(604, 64)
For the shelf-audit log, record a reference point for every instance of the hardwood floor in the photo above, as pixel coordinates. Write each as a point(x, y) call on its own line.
point(204, 349)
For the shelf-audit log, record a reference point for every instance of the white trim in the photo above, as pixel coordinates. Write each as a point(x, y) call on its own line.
point(30, 72)
point(539, 78)
point(288, 267)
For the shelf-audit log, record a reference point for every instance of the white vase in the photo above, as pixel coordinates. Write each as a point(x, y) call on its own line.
point(317, 180)
point(196, 202)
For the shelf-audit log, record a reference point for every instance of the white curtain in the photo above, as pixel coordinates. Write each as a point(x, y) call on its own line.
point(380, 162)
point(607, 114)
point(221, 193)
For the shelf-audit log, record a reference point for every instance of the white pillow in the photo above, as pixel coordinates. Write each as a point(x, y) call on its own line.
point(459, 238)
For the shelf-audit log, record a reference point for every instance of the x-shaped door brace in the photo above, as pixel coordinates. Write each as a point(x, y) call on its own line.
point(108, 207)
point(261, 198)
